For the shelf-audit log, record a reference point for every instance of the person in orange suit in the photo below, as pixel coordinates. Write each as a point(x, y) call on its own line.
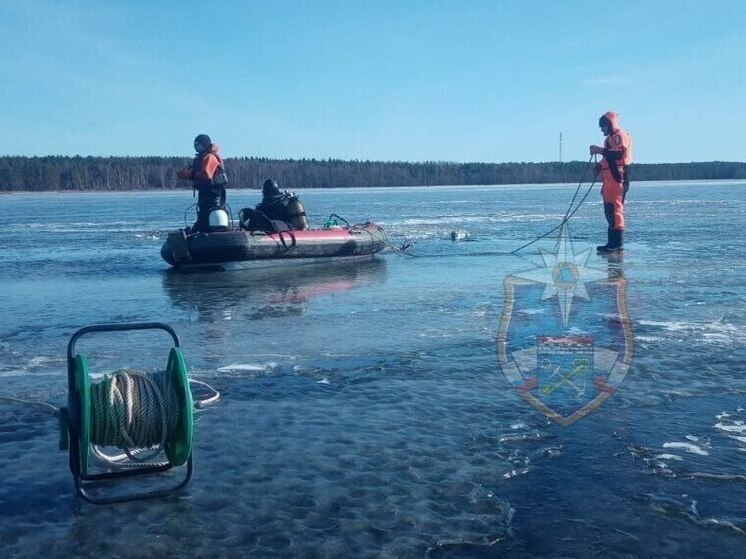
point(208, 177)
point(614, 170)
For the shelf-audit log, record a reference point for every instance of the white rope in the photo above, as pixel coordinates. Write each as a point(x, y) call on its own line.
point(133, 411)
point(136, 412)
point(214, 397)
point(52, 408)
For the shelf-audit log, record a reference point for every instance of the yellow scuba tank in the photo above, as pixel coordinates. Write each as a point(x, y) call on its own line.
point(297, 213)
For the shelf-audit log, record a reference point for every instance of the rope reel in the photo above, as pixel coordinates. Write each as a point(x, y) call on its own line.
point(143, 415)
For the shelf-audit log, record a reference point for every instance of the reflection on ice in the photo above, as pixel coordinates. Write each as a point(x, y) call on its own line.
point(255, 294)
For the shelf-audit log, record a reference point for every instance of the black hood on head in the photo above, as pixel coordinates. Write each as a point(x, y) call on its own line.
point(270, 188)
point(204, 141)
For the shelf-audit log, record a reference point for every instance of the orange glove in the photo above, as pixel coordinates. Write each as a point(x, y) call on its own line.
point(185, 173)
point(597, 150)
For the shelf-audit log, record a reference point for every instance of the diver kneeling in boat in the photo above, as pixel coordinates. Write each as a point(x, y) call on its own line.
point(208, 177)
point(278, 211)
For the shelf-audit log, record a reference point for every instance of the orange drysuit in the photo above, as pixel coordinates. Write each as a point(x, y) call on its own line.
point(617, 154)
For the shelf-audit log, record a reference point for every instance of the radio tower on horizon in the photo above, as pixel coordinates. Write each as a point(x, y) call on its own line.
point(560, 147)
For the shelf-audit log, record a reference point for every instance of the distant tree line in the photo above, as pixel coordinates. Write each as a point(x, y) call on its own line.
point(159, 173)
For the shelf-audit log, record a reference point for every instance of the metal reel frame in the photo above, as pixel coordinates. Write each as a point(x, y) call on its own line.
point(75, 422)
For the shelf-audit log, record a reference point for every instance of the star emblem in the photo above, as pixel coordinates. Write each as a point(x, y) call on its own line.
point(564, 273)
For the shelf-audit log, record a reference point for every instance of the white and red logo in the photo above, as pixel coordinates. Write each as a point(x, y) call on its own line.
point(565, 342)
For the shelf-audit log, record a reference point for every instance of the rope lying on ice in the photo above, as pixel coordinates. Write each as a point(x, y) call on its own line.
point(570, 211)
point(52, 408)
point(332, 220)
point(402, 250)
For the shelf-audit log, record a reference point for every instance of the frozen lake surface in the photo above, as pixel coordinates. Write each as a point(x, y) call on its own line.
point(364, 410)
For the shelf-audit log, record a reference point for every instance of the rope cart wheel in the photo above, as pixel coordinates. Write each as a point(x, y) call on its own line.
point(144, 415)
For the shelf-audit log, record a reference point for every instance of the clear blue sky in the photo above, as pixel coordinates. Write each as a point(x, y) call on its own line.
point(384, 80)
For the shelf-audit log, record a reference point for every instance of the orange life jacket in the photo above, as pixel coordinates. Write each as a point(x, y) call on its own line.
point(618, 143)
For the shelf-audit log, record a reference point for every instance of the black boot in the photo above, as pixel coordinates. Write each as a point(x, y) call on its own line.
point(603, 248)
point(616, 241)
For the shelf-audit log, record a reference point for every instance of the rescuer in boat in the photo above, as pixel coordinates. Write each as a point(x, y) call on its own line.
point(208, 177)
point(278, 211)
point(614, 169)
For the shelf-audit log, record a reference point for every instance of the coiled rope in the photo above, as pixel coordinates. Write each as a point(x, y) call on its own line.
point(138, 413)
point(134, 411)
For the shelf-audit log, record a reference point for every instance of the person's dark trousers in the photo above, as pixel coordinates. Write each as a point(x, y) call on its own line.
point(209, 199)
point(614, 237)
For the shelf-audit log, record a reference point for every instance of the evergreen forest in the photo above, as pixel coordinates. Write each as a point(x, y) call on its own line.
point(61, 173)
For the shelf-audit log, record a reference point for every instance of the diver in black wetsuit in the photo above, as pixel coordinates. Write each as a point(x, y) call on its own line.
point(277, 211)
